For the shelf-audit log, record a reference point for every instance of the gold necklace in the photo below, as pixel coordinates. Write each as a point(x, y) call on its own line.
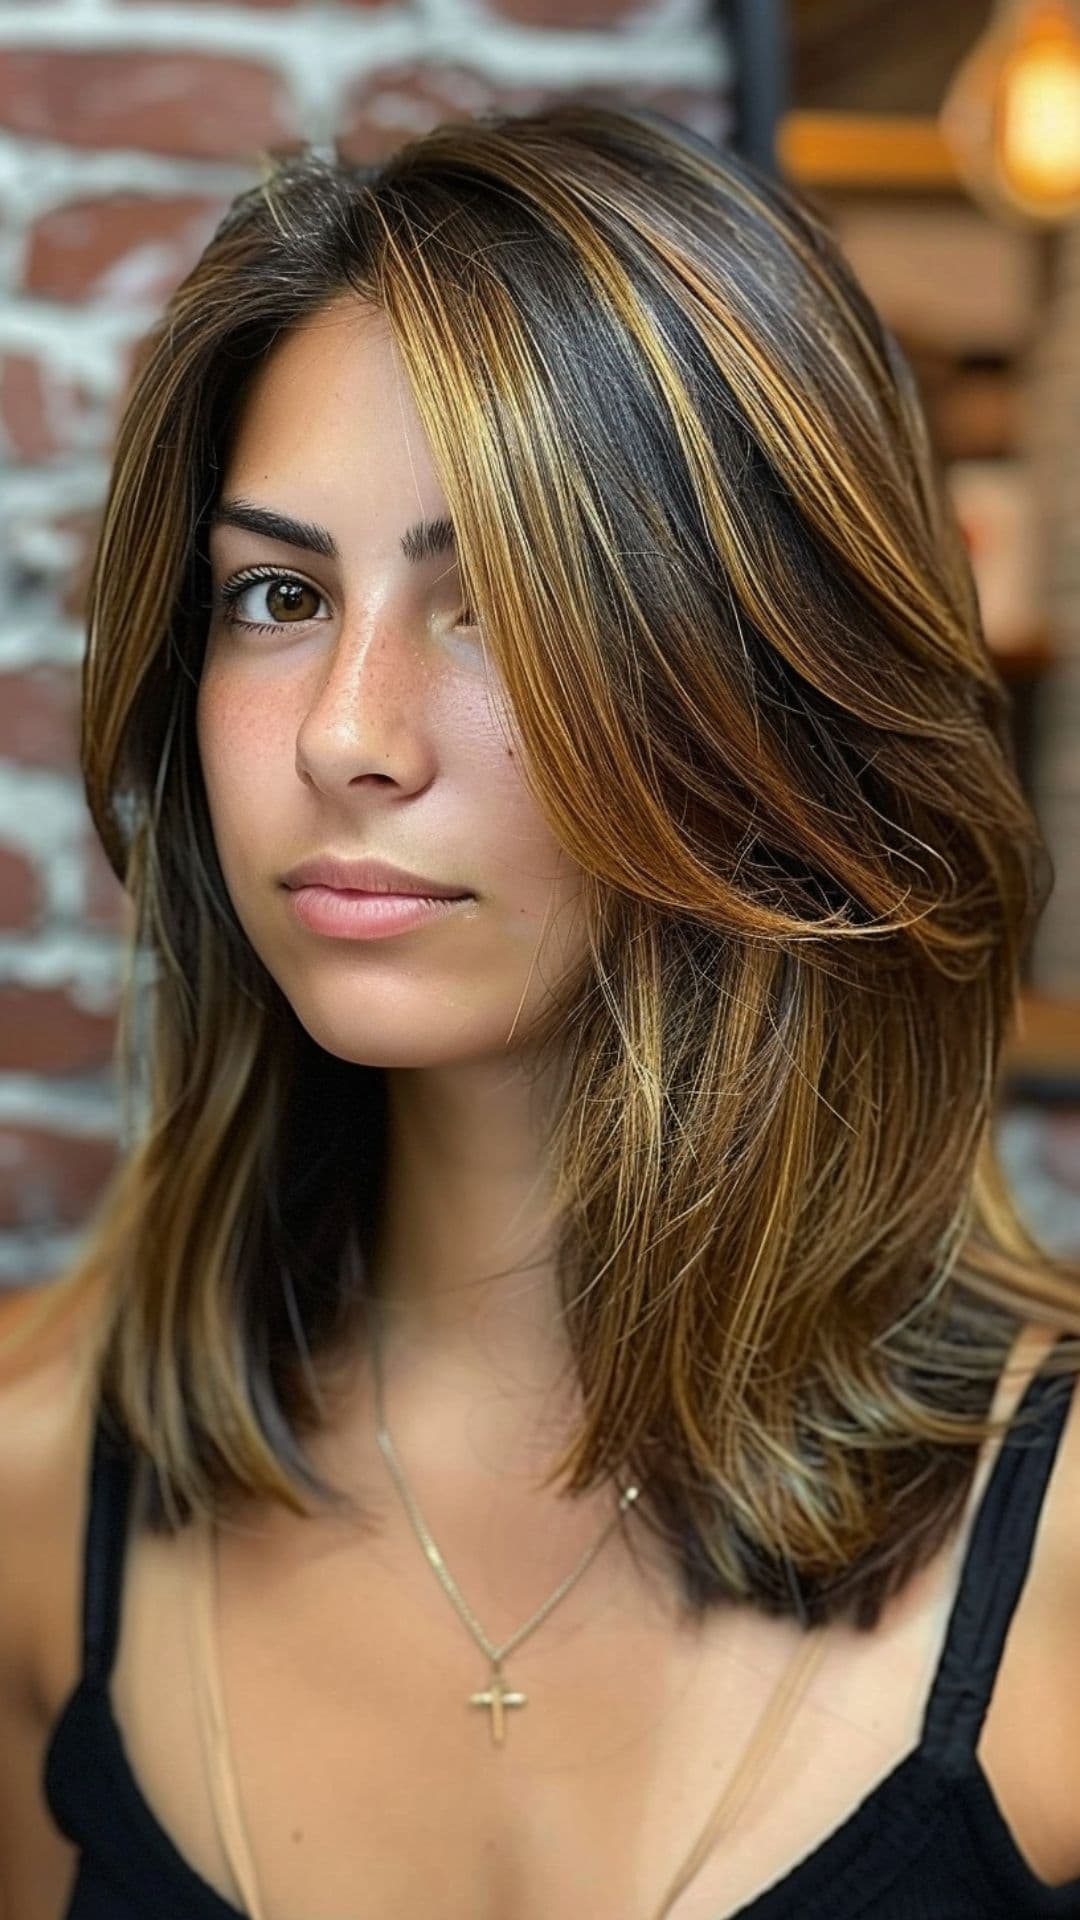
point(496, 1696)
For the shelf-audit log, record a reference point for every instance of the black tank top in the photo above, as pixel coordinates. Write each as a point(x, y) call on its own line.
point(928, 1843)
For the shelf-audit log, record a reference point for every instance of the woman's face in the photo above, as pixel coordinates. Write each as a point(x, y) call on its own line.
point(356, 714)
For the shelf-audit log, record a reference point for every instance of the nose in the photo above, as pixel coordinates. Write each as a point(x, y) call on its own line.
point(365, 715)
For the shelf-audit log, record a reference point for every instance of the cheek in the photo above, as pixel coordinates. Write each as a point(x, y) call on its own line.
point(530, 879)
point(534, 875)
point(517, 850)
point(214, 725)
point(238, 754)
point(243, 785)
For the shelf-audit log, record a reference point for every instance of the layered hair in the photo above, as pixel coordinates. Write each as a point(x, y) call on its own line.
point(716, 568)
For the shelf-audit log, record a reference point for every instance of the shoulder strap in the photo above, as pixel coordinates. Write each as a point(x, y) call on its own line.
point(993, 1572)
point(221, 1781)
point(105, 1540)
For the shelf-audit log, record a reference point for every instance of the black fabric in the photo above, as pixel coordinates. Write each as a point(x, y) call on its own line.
point(928, 1843)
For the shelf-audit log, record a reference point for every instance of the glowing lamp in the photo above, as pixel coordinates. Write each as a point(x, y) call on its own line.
point(1011, 115)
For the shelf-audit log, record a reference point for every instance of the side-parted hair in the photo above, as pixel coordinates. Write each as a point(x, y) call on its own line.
point(709, 546)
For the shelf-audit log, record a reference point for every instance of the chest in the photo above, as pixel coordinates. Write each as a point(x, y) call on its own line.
point(370, 1783)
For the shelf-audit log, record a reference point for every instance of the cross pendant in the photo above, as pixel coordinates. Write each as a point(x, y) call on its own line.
point(496, 1696)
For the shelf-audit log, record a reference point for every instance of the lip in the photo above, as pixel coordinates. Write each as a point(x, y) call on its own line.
point(367, 916)
point(368, 876)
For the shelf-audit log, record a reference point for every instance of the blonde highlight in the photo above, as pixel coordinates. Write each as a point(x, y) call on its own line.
point(700, 518)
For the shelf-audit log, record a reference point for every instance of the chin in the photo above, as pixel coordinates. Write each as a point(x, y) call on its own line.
point(375, 1034)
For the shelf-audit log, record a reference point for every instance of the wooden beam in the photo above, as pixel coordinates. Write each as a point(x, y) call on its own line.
point(868, 150)
point(1045, 1038)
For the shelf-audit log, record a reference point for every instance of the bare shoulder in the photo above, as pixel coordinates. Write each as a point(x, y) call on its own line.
point(1055, 1565)
point(45, 1410)
point(1030, 1743)
point(45, 1414)
point(1057, 1546)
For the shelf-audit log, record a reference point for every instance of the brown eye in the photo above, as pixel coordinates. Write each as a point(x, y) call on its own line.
point(288, 600)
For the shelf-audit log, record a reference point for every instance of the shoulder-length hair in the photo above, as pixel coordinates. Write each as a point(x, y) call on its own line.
point(710, 548)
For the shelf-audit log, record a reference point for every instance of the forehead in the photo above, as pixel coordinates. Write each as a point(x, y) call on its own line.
point(328, 415)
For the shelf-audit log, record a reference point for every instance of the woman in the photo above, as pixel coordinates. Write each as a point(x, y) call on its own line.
point(518, 1441)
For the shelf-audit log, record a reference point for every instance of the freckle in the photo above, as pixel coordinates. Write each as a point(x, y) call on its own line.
point(298, 1833)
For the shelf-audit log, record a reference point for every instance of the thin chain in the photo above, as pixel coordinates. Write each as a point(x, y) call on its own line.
point(497, 1697)
point(495, 1654)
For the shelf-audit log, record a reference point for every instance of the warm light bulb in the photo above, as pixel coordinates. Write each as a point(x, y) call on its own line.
point(1012, 114)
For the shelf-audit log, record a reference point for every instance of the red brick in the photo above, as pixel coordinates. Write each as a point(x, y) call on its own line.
point(706, 110)
point(20, 891)
point(132, 353)
point(391, 104)
point(50, 1179)
point(130, 246)
point(371, 4)
point(246, 3)
point(85, 525)
point(39, 716)
point(572, 13)
point(106, 906)
point(44, 412)
point(23, 408)
point(204, 105)
point(43, 1030)
point(50, 553)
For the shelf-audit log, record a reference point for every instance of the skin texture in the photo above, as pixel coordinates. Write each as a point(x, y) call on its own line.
point(369, 720)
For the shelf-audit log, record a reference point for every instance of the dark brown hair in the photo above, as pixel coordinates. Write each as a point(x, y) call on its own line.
point(708, 542)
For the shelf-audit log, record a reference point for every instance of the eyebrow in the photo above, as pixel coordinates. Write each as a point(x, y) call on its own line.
point(421, 541)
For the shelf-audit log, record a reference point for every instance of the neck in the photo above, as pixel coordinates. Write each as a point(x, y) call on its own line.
point(461, 1269)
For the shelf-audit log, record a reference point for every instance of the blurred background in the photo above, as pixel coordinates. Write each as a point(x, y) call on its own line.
point(942, 142)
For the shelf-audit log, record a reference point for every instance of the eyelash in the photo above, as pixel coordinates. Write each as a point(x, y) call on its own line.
point(233, 590)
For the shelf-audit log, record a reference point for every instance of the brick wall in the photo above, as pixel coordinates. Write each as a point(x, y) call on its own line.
point(125, 126)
